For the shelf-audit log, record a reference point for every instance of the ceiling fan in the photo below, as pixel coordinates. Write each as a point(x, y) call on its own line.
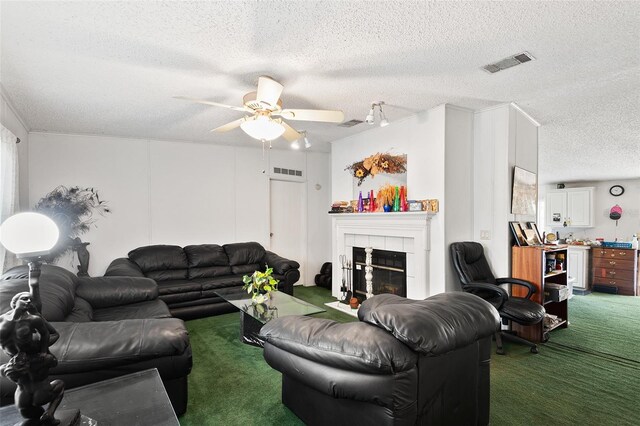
point(265, 121)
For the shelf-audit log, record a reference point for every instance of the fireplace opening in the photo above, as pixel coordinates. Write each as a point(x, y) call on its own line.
point(389, 272)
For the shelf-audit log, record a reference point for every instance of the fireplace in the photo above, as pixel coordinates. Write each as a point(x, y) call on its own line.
point(389, 272)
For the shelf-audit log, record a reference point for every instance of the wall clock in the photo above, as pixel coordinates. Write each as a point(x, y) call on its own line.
point(616, 190)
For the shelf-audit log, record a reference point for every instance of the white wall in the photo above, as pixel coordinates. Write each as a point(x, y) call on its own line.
point(164, 192)
point(504, 137)
point(438, 143)
point(12, 121)
point(459, 190)
point(604, 227)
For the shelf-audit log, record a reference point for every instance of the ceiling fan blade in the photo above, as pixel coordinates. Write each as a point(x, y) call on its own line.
point(325, 115)
point(290, 133)
point(269, 91)
point(229, 126)
point(205, 102)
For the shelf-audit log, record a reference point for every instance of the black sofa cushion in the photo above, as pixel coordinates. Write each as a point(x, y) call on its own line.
point(57, 290)
point(149, 309)
point(245, 254)
point(207, 261)
point(161, 262)
point(434, 326)
point(352, 346)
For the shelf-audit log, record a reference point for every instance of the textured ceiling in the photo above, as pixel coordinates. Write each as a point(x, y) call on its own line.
point(113, 67)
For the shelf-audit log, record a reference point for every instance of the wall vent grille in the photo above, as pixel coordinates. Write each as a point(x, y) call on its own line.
point(350, 123)
point(509, 62)
point(288, 172)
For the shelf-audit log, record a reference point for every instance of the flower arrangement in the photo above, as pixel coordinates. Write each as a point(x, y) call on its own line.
point(72, 210)
point(261, 284)
point(378, 163)
point(386, 196)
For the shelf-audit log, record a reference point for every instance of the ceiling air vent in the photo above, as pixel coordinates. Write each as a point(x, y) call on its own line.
point(350, 123)
point(509, 62)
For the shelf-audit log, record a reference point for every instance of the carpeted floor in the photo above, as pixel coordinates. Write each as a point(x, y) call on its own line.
point(587, 374)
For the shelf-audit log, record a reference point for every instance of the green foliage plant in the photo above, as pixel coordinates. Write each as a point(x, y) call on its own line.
point(260, 285)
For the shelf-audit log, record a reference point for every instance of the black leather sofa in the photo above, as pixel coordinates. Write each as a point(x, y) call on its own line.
point(407, 362)
point(188, 277)
point(108, 327)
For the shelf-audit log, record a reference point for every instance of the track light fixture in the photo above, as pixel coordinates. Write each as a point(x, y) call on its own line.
point(303, 138)
point(307, 144)
point(383, 118)
point(371, 117)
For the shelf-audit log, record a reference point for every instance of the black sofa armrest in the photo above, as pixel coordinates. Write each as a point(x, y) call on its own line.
point(532, 288)
point(123, 267)
point(105, 292)
point(367, 349)
point(286, 271)
point(279, 264)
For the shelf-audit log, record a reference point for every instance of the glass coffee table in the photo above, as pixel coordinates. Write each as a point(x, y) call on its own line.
point(134, 399)
point(253, 316)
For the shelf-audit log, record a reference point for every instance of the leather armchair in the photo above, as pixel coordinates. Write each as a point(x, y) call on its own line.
point(406, 362)
point(477, 278)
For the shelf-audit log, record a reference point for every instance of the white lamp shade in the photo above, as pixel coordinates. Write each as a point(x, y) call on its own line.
point(262, 127)
point(29, 234)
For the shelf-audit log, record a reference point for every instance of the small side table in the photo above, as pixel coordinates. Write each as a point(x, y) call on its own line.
point(137, 399)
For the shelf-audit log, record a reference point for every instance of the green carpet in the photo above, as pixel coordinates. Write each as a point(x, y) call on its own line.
point(587, 374)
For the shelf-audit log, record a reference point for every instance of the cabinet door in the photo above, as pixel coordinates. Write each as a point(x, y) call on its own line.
point(556, 208)
point(575, 267)
point(579, 207)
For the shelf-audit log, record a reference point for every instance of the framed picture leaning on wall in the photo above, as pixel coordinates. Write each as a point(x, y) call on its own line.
point(518, 233)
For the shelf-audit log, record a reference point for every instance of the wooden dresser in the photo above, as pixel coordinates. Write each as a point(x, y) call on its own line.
point(615, 267)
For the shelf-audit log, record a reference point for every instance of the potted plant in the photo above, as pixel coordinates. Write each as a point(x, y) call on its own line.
point(72, 209)
point(260, 284)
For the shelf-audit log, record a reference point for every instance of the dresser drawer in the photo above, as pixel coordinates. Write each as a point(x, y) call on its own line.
point(624, 287)
point(614, 263)
point(609, 273)
point(614, 253)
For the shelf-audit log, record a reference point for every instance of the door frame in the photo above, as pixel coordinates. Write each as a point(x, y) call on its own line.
point(303, 221)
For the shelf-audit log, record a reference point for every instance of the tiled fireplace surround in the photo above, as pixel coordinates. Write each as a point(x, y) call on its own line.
point(407, 232)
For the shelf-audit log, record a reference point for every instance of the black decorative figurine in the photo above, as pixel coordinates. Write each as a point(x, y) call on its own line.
point(25, 335)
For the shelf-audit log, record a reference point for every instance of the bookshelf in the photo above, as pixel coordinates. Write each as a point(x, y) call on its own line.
point(546, 268)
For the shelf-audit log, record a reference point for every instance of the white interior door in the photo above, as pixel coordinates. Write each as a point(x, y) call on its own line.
point(288, 225)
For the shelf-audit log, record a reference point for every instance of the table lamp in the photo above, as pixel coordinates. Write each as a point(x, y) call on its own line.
point(31, 236)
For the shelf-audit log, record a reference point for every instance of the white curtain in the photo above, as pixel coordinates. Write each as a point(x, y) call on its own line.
point(8, 188)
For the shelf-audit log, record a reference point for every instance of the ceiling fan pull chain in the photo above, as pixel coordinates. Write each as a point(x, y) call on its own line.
point(264, 161)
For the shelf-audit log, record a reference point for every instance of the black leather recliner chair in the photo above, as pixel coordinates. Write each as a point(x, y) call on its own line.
point(476, 277)
point(407, 362)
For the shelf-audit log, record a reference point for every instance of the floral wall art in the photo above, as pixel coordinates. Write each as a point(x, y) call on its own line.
point(377, 170)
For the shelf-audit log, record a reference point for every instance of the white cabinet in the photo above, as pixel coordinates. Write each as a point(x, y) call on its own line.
point(571, 206)
point(578, 265)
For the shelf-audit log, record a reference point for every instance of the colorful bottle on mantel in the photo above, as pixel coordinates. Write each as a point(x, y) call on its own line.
point(360, 203)
point(372, 202)
point(403, 199)
point(396, 201)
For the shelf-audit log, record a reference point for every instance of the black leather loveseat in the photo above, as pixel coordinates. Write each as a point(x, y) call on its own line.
point(407, 362)
point(188, 277)
point(108, 327)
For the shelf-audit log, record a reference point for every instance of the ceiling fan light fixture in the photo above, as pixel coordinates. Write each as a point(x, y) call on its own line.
point(307, 144)
point(295, 144)
point(262, 127)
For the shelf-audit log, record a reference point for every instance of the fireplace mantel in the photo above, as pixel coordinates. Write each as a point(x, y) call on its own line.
point(406, 232)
